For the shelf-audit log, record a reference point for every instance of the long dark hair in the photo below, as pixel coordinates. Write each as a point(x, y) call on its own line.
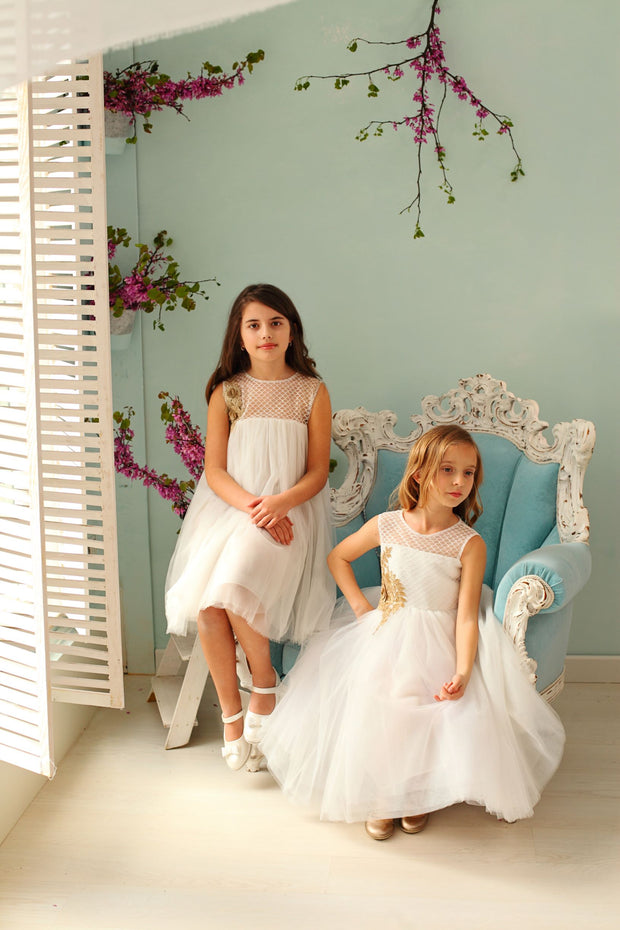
point(233, 360)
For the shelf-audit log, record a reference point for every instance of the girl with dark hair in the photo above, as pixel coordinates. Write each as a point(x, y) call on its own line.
point(422, 703)
point(250, 561)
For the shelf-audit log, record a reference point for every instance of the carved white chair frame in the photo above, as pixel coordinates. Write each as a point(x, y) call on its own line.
point(480, 404)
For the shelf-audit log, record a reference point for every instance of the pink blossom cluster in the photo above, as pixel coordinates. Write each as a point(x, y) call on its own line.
point(153, 283)
point(125, 464)
point(186, 441)
point(431, 63)
point(140, 88)
point(138, 91)
point(133, 292)
point(183, 436)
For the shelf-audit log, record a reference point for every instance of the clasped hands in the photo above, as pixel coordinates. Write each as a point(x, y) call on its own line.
point(271, 513)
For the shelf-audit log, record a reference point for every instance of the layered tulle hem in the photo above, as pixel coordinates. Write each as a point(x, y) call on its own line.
point(358, 734)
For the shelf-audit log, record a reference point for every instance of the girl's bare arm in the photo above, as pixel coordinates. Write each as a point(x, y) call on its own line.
point(339, 562)
point(216, 455)
point(473, 561)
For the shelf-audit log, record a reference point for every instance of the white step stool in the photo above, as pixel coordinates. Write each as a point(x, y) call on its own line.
point(178, 691)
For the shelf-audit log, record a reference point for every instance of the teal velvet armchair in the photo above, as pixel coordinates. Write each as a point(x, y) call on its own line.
point(534, 522)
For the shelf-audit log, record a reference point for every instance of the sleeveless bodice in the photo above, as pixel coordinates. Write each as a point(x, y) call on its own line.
point(268, 443)
point(417, 570)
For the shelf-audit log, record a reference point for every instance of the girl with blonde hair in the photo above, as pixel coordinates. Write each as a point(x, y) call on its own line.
point(418, 703)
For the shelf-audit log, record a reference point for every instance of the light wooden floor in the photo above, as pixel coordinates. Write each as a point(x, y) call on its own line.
point(129, 836)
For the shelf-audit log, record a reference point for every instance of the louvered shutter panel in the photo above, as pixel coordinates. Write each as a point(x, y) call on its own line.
point(25, 737)
point(58, 554)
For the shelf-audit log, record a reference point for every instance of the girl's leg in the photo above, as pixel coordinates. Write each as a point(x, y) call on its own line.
point(256, 648)
point(218, 645)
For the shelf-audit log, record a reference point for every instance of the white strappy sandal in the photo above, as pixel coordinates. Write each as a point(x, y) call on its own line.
point(235, 751)
point(254, 726)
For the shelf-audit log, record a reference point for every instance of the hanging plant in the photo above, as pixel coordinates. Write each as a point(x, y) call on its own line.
point(153, 284)
point(141, 89)
point(426, 66)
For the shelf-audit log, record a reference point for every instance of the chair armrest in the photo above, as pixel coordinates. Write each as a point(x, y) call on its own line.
point(564, 568)
point(544, 580)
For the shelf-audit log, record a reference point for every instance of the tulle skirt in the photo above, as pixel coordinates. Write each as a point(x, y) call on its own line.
point(223, 560)
point(358, 735)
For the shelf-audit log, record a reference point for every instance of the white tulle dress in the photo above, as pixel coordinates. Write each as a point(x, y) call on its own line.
point(221, 559)
point(358, 735)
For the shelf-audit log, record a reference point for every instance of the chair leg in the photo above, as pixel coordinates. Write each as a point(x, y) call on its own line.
point(189, 698)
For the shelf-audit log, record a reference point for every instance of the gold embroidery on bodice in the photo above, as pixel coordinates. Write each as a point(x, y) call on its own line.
point(392, 589)
point(232, 397)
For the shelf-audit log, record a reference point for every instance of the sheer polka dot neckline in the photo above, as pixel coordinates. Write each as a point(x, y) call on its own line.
point(394, 530)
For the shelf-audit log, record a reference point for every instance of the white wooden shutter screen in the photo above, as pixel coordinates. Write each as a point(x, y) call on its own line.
point(59, 591)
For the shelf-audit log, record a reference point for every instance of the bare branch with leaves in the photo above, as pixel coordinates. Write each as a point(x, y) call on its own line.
point(428, 65)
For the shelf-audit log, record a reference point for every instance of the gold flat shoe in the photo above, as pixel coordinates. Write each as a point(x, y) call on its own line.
point(380, 829)
point(414, 824)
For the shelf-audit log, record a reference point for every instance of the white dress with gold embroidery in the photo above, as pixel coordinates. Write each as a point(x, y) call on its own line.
point(221, 559)
point(358, 734)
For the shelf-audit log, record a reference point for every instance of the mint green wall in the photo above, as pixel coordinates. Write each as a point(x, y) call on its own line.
point(519, 280)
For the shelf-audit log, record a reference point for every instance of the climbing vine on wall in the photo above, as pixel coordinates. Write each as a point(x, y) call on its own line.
point(426, 66)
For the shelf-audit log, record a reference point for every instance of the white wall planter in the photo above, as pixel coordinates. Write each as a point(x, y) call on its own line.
point(118, 128)
point(121, 328)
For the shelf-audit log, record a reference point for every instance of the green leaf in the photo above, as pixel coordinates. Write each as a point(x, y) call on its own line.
point(352, 46)
point(418, 234)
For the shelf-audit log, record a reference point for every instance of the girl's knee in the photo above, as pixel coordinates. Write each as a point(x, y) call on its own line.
point(213, 620)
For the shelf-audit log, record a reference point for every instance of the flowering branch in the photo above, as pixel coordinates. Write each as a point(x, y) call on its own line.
point(140, 88)
point(427, 64)
point(153, 283)
point(181, 434)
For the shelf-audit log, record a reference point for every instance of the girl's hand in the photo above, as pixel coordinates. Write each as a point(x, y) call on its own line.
point(282, 532)
point(452, 690)
point(267, 511)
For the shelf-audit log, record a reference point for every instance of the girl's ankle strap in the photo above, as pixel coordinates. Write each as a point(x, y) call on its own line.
point(268, 690)
point(233, 718)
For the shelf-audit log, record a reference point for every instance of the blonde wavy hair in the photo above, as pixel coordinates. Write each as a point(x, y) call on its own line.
point(425, 459)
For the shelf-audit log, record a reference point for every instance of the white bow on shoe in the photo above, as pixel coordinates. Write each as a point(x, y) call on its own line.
point(235, 751)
